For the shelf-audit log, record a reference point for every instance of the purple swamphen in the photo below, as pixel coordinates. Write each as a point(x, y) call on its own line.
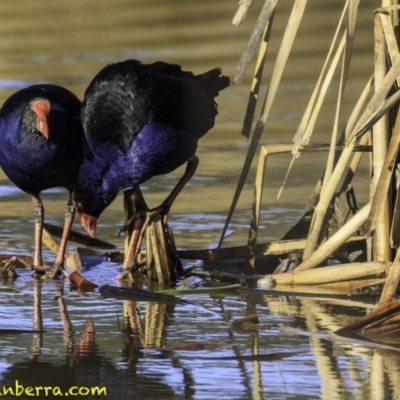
point(141, 120)
point(41, 148)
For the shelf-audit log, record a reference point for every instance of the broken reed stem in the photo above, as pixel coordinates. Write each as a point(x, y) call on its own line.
point(72, 260)
point(241, 13)
point(336, 273)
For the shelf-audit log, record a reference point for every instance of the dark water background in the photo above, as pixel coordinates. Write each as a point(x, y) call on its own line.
point(66, 43)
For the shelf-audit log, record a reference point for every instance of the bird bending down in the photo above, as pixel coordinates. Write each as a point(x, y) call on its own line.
point(141, 120)
point(41, 148)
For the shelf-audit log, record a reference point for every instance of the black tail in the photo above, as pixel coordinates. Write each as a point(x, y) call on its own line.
point(213, 81)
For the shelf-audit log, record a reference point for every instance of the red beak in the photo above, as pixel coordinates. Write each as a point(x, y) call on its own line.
point(89, 224)
point(42, 109)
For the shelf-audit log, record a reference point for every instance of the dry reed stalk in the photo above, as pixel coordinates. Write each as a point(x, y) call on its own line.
point(336, 240)
point(330, 290)
point(351, 22)
point(380, 137)
point(336, 273)
point(159, 261)
point(72, 260)
point(355, 115)
point(307, 123)
point(391, 7)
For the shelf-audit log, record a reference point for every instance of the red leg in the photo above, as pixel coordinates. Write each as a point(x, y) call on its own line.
point(38, 213)
point(137, 219)
point(69, 219)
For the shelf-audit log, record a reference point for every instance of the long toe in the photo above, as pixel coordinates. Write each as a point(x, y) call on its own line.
point(56, 271)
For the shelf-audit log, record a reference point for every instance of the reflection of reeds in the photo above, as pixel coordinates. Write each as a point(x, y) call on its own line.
point(156, 322)
point(132, 324)
point(339, 368)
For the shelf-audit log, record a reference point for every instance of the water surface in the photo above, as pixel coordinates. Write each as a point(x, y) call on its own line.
point(66, 43)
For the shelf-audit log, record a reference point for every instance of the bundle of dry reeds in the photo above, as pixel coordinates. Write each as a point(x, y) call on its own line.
point(373, 126)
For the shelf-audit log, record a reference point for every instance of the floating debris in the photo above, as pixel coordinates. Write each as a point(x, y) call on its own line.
point(7, 268)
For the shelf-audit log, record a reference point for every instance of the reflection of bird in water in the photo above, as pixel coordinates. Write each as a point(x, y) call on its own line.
point(140, 121)
point(41, 148)
point(84, 366)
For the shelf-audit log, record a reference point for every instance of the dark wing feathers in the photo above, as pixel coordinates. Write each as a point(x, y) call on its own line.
point(129, 94)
